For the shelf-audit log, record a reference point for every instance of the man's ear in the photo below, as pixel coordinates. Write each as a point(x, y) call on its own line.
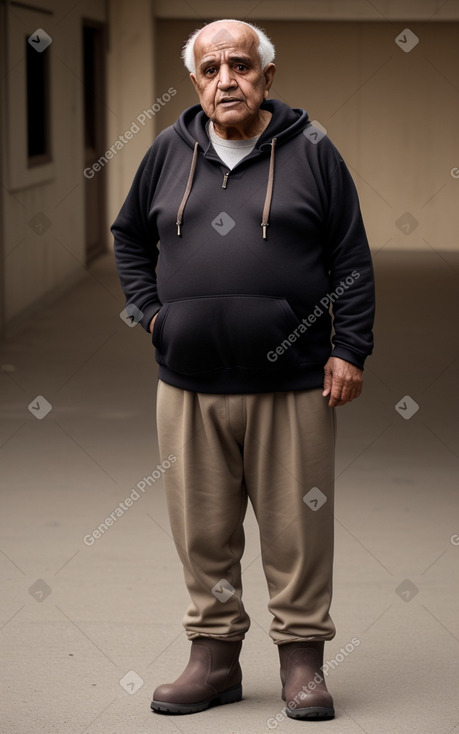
point(268, 73)
point(195, 82)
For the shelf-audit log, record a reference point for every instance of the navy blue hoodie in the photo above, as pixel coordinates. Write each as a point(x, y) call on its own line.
point(263, 271)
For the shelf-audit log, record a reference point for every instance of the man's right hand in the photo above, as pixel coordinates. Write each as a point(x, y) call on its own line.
point(152, 323)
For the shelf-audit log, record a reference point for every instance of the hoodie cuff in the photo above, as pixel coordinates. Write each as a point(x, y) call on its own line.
point(355, 358)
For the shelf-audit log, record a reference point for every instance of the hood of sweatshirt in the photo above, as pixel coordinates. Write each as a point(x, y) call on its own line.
point(285, 123)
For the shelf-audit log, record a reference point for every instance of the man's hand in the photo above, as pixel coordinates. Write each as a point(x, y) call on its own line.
point(342, 381)
point(152, 323)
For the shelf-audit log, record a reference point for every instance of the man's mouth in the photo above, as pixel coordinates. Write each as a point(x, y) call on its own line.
point(230, 100)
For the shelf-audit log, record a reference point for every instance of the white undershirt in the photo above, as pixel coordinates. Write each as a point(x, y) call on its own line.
point(230, 151)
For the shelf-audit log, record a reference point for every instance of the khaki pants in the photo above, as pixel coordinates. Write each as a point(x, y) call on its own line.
point(278, 450)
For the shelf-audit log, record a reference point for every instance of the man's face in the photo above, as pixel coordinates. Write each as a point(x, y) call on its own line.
point(229, 79)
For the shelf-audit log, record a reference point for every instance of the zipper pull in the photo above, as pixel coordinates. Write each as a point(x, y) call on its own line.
point(225, 179)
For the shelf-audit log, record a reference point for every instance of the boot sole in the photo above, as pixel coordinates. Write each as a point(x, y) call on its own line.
point(313, 712)
point(232, 695)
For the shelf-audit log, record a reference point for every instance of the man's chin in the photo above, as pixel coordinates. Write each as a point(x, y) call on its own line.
point(231, 117)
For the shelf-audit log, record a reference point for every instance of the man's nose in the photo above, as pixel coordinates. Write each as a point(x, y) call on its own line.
point(226, 79)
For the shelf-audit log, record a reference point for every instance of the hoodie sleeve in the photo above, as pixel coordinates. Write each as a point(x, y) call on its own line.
point(135, 246)
point(351, 272)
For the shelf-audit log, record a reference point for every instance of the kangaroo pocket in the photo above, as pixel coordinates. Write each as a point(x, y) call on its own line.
point(223, 332)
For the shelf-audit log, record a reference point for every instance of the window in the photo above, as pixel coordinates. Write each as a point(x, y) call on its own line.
point(38, 106)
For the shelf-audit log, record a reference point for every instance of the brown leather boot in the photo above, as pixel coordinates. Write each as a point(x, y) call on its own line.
point(212, 677)
point(303, 684)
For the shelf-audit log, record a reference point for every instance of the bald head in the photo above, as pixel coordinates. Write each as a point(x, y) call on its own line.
point(218, 29)
point(220, 36)
point(219, 39)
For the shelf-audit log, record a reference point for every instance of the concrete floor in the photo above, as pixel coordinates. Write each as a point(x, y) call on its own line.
point(87, 631)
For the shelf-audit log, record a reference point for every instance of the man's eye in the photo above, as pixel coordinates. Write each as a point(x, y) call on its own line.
point(210, 71)
point(241, 67)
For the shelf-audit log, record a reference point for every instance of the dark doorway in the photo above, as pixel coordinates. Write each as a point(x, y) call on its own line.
point(94, 137)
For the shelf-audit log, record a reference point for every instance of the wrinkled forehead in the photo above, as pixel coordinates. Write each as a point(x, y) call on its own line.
point(218, 41)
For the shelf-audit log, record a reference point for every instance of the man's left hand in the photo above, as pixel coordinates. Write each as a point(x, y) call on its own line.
point(342, 381)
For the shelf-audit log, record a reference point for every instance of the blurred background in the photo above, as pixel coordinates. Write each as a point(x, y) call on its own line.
point(85, 88)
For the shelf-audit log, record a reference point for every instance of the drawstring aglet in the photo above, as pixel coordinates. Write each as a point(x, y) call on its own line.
point(179, 232)
point(265, 227)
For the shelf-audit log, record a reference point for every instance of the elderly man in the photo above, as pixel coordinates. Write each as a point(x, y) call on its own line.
point(249, 373)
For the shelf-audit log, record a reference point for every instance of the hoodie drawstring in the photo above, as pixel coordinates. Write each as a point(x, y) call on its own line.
point(187, 190)
point(269, 192)
point(268, 199)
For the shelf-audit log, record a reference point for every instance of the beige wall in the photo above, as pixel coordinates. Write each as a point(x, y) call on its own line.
point(130, 87)
point(36, 266)
point(34, 263)
point(393, 115)
point(309, 9)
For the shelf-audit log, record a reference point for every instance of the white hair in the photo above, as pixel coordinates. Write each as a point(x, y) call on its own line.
point(266, 48)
